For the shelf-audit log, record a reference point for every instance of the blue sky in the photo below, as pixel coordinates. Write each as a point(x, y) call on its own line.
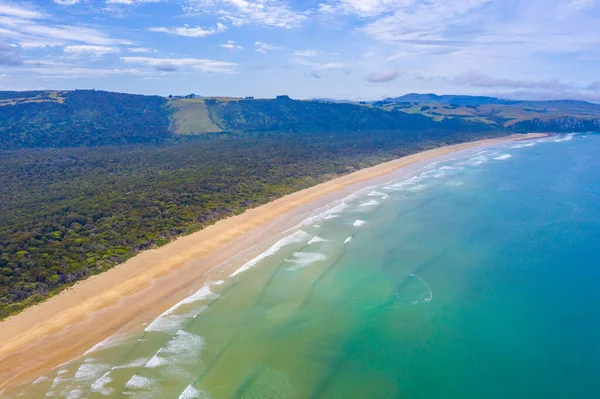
point(354, 49)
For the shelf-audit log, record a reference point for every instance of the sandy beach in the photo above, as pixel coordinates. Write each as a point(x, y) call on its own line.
point(135, 292)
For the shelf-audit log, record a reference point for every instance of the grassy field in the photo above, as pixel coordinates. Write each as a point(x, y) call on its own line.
point(191, 116)
point(46, 96)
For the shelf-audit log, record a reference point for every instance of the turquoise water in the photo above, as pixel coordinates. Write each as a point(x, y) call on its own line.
point(475, 277)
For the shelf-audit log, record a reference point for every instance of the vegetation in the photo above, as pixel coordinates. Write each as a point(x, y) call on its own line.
point(84, 118)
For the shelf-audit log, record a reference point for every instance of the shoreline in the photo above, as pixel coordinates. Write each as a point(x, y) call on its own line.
point(68, 324)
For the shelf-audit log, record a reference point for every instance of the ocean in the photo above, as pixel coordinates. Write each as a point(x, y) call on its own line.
point(477, 276)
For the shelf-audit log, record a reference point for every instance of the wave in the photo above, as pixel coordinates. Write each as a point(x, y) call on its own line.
point(403, 184)
point(370, 203)
point(567, 137)
point(184, 347)
point(99, 386)
point(416, 189)
point(358, 223)
point(109, 342)
point(317, 239)
point(376, 194)
point(137, 382)
point(192, 393)
point(503, 157)
point(90, 369)
point(327, 214)
point(303, 259)
point(297, 237)
point(167, 322)
point(348, 240)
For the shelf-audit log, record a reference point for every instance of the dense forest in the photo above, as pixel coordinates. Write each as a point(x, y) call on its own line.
point(82, 118)
point(89, 178)
point(287, 115)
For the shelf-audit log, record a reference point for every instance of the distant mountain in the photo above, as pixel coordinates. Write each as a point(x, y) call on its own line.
point(449, 99)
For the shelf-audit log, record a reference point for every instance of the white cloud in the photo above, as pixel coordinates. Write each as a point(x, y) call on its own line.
point(19, 12)
point(139, 50)
point(363, 8)
point(320, 65)
point(231, 45)
point(40, 34)
point(66, 2)
point(305, 53)
point(272, 13)
point(83, 49)
point(189, 31)
point(131, 2)
point(173, 64)
point(265, 47)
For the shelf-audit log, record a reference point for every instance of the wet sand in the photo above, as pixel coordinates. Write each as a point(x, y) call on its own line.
point(129, 295)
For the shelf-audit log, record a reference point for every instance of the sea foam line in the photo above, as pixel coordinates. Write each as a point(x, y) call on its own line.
point(430, 297)
point(503, 157)
point(297, 237)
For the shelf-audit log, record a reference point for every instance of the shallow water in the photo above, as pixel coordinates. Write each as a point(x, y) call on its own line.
point(474, 277)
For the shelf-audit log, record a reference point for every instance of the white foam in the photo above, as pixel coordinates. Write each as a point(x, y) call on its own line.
point(567, 137)
point(201, 294)
point(184, 347)
point(327, 214)
point(358, 223)
point(317, 239)
point(166, 323)
point(40, 379)
point(156, 360)
point(137, 382)
point(348, 240)
point(297, 237)
point(430, 297)
point(376, 194)
point(475, 161)
point(370, 203)
point(416, 189)
point(89, 369)
point(451, 168)
point(403, 184)
point(191, 393)
point(436, 173)
point(219, 282)
point(99, 386)
point(503, 157)
point(303, 259)
point(74, 394)
point(109, 342)
point(385, 197)
point(135, 363)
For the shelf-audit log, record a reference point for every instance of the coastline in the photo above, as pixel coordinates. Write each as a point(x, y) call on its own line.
point(65, 326)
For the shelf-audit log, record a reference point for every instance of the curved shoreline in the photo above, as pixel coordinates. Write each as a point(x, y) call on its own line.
point(65, 326)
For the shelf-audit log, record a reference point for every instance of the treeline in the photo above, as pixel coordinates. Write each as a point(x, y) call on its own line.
point(85, 118)
point(69, 213)
point(286, 115)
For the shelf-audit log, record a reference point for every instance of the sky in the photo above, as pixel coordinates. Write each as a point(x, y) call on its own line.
point(342, 49)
